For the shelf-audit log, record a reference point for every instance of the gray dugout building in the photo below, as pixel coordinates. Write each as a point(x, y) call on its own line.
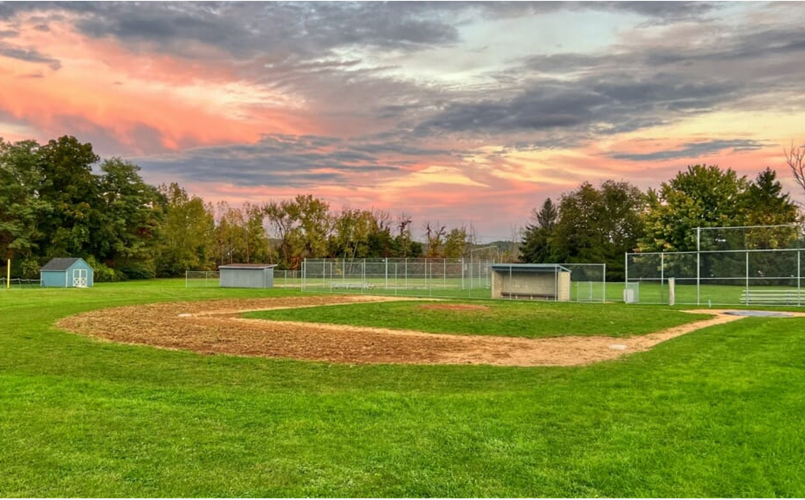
point(247, 275)
point(531, 281)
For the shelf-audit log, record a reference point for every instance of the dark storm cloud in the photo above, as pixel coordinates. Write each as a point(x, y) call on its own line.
point(617, 105)
point(274, 160)
point(311, 28)
point(249, 29)
point(28, 55)
point(693, 150)
point(405, 149)
point(638, 85)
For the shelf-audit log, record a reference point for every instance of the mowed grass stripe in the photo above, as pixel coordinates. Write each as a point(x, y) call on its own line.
point(514, 318)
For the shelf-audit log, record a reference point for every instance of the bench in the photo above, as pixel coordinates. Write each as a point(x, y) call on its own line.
point(350, 285)
point(787, 297)
point(529, 296)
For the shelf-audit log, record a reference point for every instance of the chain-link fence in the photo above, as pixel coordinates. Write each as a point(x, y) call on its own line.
point(201, 279)
point(457, 278)
point(414, 277)
point(19, 283)
point(287, 279)
point(588, 282)
point(720, 277)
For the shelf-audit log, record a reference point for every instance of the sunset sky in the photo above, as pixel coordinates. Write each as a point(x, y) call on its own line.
point(465, 113)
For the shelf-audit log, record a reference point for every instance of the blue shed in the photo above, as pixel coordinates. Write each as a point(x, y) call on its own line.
point(67, 273)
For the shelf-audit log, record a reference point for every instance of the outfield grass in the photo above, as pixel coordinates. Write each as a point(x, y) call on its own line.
point(510, 318)
point(719, 412)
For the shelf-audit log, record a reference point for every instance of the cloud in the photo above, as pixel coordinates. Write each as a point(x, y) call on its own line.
point(659, 75)
point(693, 150)
point(29, 55)
point(593, 105)
point(435, 174)
point(279, 160)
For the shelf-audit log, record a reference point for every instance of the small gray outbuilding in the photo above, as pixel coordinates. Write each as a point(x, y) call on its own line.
point(247, 275)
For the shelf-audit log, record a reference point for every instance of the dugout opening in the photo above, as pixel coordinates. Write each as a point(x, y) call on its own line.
point(531, 282)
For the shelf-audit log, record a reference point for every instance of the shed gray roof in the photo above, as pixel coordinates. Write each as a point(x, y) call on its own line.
point(60, 264)
point(530, 268)
point(247, 266)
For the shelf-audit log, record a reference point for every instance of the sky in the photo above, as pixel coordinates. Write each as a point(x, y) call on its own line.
point(457, 113)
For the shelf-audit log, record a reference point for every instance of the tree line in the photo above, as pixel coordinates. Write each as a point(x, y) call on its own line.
point(61, 199)
point(600, 224)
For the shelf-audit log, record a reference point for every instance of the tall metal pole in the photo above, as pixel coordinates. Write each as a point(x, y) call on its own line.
point(662, 277)
point(698, 265)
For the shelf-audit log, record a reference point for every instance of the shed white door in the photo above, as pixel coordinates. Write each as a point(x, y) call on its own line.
point(80, 278)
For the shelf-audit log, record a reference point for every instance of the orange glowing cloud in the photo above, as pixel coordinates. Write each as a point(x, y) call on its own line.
point(120, 91)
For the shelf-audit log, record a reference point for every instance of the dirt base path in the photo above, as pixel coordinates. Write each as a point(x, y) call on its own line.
point(212, 327)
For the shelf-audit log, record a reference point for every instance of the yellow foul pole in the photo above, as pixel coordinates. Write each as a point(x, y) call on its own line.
point(8, 273)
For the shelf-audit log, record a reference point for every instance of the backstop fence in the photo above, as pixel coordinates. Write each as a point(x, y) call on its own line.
point(718, 277)
point(446, 278)
point(414, 277)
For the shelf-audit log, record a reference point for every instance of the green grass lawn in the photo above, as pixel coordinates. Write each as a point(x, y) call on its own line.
point(719, 412)
point(511, 318)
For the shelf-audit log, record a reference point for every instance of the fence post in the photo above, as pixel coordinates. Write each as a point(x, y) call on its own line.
point(604, 283)
point(429, 276)
point(662, 277)
point(799, 277)
point(747, 277)
point(625, 273)
point(698, 278)
point(387, 273)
